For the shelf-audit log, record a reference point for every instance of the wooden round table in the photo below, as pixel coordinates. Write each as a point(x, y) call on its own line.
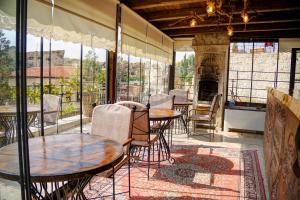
point(164, 117)
point(183, 107)
point(8, 115)
point(64, 163)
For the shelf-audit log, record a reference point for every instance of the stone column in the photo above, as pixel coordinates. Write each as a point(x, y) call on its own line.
point(211, 53)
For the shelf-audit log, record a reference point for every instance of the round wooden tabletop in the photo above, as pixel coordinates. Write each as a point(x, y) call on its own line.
point(183, 103)
point(163, 114)
point(12, 109)
point(62, 157)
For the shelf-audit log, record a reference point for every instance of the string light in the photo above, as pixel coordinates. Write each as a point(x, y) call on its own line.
point(245, 16)
point(230, 30)
point(193, 22)
point(210, 7)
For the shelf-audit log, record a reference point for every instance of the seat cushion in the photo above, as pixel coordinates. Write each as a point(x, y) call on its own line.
point(199, 117)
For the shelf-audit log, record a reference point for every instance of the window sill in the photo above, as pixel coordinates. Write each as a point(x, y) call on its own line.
point(260, 109)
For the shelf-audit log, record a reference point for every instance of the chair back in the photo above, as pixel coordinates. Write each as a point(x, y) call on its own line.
point(52, 106)
point(112, 121)
point(215, 105)
point(163, 101)
point(141, 122)
point(180, 95)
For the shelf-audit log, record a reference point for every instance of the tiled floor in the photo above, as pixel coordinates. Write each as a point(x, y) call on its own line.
point(9, 190)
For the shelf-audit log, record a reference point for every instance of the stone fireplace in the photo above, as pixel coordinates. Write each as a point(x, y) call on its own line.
point(211, 53)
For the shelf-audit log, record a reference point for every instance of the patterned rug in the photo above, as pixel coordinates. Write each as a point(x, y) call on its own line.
point(199, 172)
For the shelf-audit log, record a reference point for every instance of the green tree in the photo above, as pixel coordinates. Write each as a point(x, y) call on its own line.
point(185, 70)
point(7, 62)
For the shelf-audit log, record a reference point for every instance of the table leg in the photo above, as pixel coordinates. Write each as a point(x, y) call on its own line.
point(71, 190)
point(9, 124)
point(164, 126)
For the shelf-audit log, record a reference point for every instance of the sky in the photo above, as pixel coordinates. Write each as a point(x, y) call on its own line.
point(180, 54)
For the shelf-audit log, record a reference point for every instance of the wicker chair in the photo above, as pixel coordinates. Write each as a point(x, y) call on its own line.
point(141, 133)
point(163, 101)
point(210, 118)
point(114, 122)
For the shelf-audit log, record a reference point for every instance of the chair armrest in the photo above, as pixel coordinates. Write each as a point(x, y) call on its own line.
point(192, 110)
point(128, 141)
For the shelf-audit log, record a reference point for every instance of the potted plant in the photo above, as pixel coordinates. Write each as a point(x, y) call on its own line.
point(235, 48)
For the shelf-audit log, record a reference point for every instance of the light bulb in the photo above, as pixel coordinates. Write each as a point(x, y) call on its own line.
point(210, 8)
point(245, 16)
point(230, 30)
point(193, 22)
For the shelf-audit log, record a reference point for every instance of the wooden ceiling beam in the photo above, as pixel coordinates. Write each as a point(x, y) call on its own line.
point(148, 4)
point(182, 13)
point(259, 19)
point(273, 34)
point(239, 28)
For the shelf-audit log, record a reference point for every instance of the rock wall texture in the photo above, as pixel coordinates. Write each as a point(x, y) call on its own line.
point(264, 67)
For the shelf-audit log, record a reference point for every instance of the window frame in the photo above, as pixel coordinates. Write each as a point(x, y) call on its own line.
point(253, 41)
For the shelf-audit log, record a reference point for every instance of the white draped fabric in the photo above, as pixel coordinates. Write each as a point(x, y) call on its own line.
point(142, 39)
point(83, 21)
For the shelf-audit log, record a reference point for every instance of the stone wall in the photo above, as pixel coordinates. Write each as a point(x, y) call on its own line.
point(211, 50)
point(264, 62)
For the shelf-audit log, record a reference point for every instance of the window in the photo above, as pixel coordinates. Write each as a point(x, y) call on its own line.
point(184, 71)
point(253, 67)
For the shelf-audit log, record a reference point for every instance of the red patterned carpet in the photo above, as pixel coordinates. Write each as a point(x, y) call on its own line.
point(199, 172)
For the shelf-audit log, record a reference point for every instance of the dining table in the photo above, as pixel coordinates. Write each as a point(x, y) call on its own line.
point(62, 165)
point(163, 119)
point(8, 121)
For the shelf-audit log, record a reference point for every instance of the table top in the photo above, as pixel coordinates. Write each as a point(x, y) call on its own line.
point(62, 157)
point(183, 103)
point(163, 114)
point(12, 109)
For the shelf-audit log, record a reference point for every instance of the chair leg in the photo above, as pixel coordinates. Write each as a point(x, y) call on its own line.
point(114, 192)
point(210, 130)
point(149, 161)
point(129, 190)
point(159, 154)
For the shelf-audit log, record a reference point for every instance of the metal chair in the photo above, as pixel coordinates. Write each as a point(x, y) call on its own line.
point(180, 95)
point(141, 133)
point(114, 122)
point(163, 101)
point(51, 111)
point(210, 118)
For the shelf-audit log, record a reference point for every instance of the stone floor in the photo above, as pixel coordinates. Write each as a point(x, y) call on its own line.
point(10, 190)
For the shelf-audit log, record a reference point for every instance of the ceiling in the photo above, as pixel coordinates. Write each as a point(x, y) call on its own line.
point(271, 18)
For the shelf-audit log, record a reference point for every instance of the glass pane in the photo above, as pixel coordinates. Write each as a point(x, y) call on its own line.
point(240, 67)
point(160, 84)
point(264, 69)
point(64, 73)
point(122, 78)
point(296, 93)
point(284, 69)
point(134, 78)
point(166, 75)
point(184, 71)
point(8, 189)
point(145, 79)
point(153, 77)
